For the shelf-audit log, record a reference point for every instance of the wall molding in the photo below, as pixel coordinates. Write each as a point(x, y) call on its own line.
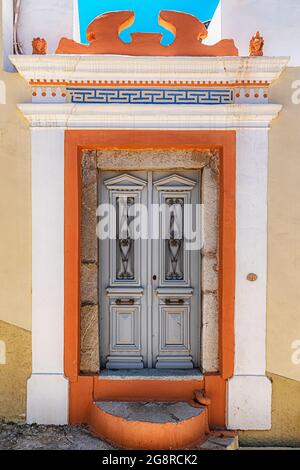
point(117, 69)
point(89, 116)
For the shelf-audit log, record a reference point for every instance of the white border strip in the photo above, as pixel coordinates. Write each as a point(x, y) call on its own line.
point(111, 116)
point(47, 393)
point(249, 391)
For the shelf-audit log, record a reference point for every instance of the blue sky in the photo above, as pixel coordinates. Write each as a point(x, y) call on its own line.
point(146, 12)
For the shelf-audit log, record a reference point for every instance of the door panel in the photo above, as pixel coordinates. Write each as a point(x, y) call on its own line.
point(176, 291)
point(123, 274)
point(150, 310)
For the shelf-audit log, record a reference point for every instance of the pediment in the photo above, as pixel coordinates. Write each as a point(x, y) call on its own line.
point(175, 183)
point(125, 182)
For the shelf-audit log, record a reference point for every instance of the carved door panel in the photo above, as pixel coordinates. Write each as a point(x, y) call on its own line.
point(123, 274)
point(149, 280)
point(176, 302)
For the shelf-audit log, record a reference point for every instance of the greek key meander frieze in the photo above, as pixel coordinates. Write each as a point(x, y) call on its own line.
point(151, 96)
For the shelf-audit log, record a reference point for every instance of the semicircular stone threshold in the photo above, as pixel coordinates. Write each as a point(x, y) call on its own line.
point(149, 425)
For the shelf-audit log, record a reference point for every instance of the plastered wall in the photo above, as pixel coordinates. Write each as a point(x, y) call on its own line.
point(15, 368)
point(15, 245)
point(277, 20)
point(285, 417)
point(47, 19)
point(283, 328)
point(50, 20)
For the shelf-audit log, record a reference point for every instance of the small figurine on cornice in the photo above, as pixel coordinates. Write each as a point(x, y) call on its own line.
point(39, 46)
point(257, 43)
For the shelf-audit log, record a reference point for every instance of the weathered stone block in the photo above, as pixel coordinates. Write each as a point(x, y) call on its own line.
point(126, 160)
point(210, 336)
point(89, 204)
point(89, 284)
point(89, 339)
point(210, 200)
point(210, 280)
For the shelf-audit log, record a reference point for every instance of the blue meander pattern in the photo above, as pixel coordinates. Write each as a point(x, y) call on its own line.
point(151, 96)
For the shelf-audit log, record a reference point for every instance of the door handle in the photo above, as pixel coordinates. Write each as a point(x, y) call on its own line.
point(174, 302)
point(125, 302)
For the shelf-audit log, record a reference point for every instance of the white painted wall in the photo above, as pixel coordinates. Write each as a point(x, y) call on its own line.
point(277, 20)
point(49, 19)
point(6, 16)
point(249, 403)
point(250, 391)
point(47, 393)
point(251, 247)
point(215, 27)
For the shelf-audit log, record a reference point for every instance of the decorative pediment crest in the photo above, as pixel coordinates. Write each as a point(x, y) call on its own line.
point(125, 182)
point(189, 31)
point(175, 183)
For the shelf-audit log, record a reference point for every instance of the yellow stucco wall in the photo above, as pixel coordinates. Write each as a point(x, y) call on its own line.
point(284, 232)
point(285, 417)
point(15, 202)
point(15, 246)
point(283, 303)
point(15, 368)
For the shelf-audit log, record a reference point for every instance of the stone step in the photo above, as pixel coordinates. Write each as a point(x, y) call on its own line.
point(149, 425)
point(220, 441)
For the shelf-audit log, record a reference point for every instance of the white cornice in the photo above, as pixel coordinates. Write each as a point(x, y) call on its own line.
point(84, 116)
point(118, 69)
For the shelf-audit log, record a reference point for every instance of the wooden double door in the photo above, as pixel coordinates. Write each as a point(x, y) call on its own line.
point(149, 271)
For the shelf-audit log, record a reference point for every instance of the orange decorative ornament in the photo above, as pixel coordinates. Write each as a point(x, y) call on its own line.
point(257, 43)
point(103, 37)
point(39, 46)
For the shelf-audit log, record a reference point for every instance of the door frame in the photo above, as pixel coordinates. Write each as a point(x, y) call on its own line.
point(83, 389)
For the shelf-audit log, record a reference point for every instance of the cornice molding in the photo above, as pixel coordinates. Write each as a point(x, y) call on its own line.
point(84, 116)
point(109, 69)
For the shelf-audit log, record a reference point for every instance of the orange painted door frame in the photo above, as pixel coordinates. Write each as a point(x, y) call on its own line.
point(82, 388)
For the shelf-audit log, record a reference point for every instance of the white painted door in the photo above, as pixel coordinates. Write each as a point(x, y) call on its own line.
point(149, 272)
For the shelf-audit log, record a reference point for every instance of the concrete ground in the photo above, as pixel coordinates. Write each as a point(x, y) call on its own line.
point(23, 437)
